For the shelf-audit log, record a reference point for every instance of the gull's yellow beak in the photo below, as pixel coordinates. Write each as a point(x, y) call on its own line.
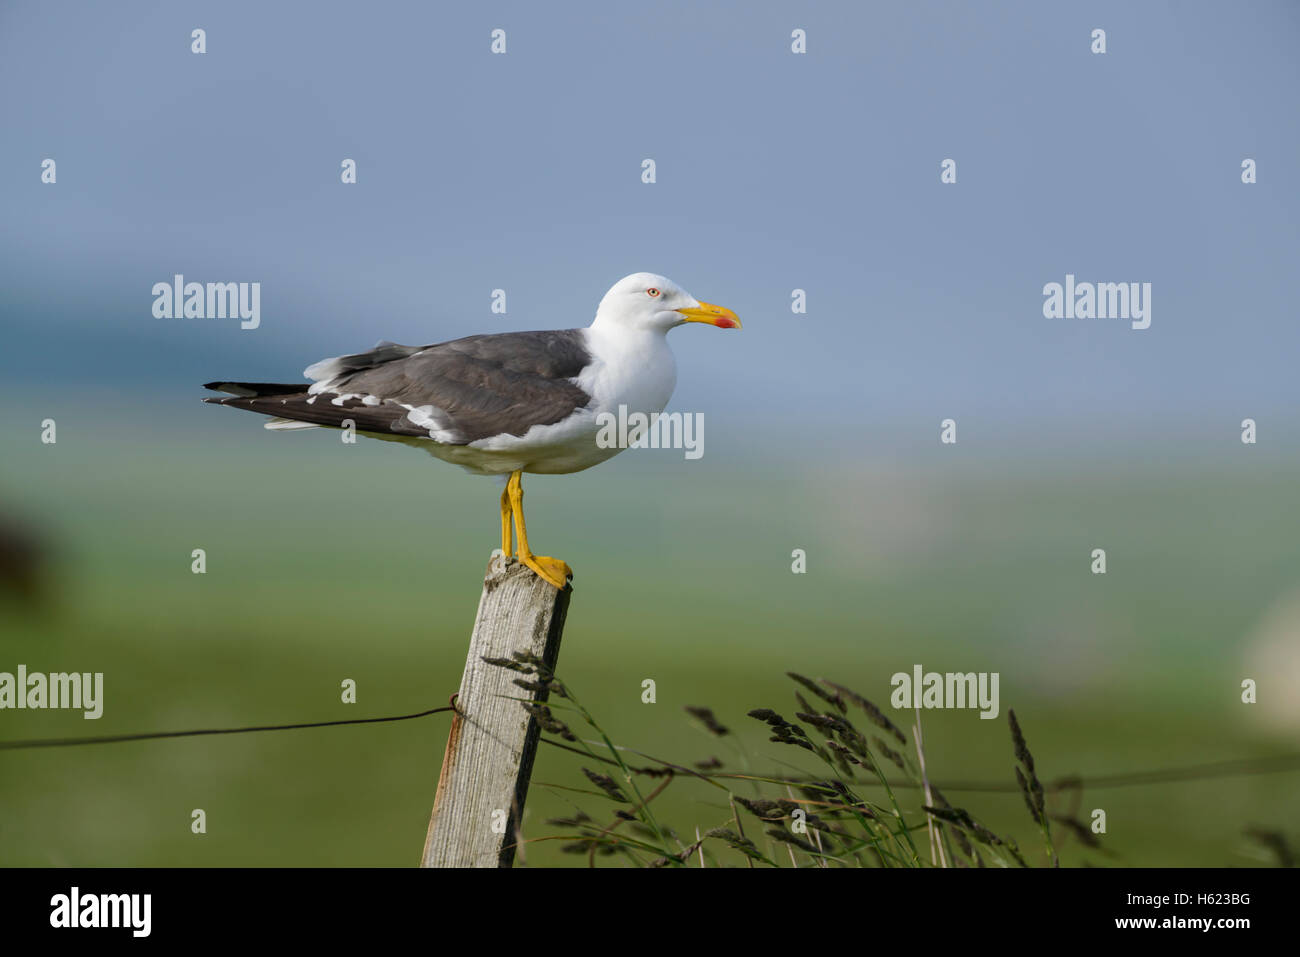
point(719, 316)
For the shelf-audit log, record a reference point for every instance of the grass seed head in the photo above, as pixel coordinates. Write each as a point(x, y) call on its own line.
point(1018, 739)
point(889, 753)
point(547, 721)
point(818, 690)
point(762, 809)
point(510, 665)
point(785, 837)
point(606, 784)
point(706, 717)
point(1079, 829)
point(876, 716)
point(730, 837)
point(1028, 796)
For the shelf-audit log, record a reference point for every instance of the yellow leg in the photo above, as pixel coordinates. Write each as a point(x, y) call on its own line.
point(550, 570)
point(507, 533)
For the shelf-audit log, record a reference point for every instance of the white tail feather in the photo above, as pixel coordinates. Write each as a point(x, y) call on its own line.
point(288, 425)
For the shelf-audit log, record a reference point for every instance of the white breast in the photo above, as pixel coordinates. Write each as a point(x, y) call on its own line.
point(635, 369)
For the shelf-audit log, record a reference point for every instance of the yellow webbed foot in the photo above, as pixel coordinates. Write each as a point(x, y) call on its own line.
point(550, 570)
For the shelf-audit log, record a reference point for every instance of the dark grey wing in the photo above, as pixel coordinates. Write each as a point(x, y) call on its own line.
point(294, 402)
point(457, 392)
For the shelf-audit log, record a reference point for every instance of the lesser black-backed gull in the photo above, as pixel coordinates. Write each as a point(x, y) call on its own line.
point(502, 404)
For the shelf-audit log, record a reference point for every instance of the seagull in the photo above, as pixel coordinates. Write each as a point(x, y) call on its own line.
point(501, 404)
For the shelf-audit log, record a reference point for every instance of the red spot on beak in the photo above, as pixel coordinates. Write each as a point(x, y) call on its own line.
point(723, 323)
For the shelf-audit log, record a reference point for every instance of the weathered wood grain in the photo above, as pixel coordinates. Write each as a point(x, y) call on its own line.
point(490, 748)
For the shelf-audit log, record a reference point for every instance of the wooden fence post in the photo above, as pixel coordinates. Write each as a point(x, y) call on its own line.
point(490, 749)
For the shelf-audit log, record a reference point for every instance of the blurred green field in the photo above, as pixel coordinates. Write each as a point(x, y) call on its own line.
point(327, 562)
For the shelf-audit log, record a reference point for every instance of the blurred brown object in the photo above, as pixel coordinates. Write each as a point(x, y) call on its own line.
point(23, 559)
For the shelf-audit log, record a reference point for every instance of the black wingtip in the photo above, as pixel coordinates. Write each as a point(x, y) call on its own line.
point(253, 390)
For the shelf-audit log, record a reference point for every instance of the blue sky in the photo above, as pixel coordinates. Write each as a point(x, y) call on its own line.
point(775, 171)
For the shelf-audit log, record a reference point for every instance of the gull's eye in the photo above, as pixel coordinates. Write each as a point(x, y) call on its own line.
point(652, 292)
